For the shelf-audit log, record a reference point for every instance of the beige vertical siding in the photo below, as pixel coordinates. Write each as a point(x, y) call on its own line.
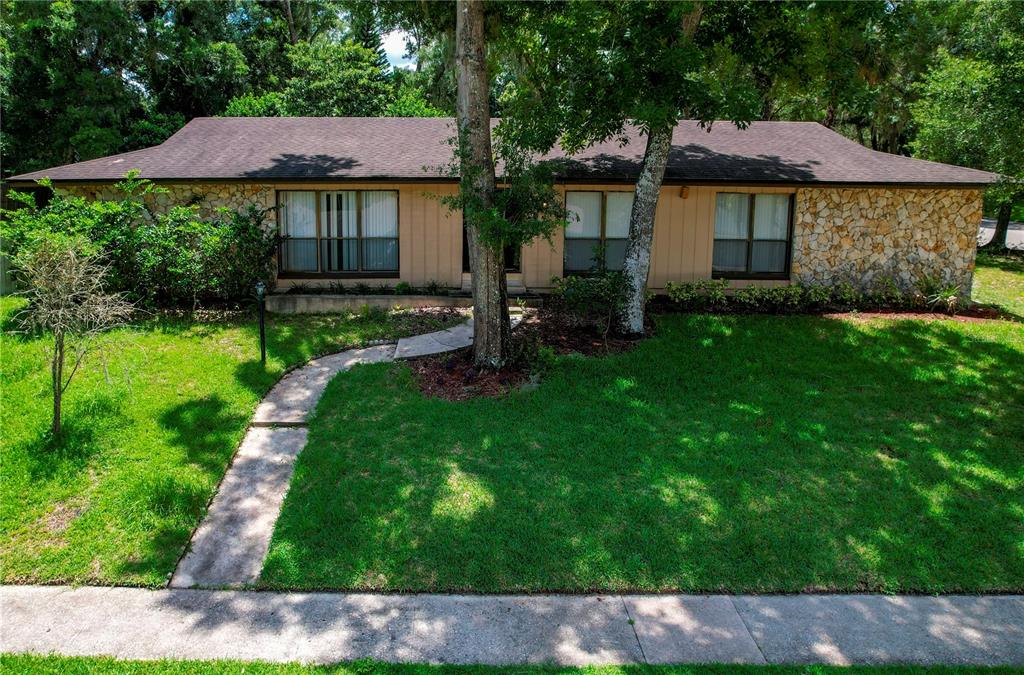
point(430, 237)
point(684, 231)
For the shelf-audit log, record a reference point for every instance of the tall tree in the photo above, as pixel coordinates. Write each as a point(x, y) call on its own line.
point(597, 67)
point(491, 325)
point(971, 111)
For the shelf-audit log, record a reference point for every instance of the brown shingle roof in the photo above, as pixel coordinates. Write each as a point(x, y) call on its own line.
point(364, 148)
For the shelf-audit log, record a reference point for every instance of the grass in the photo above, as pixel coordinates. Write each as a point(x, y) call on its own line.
point(47, 665)
point(999, 280)
point(150, 425)
point(728, 453)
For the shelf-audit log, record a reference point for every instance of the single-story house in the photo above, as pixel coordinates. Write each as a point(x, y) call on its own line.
point(775, 203)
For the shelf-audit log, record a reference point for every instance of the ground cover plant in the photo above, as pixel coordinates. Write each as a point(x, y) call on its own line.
point(736, 453)
point(44, 665)
point(156, 412)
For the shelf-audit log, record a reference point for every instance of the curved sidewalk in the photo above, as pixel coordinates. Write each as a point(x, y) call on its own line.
point(228, 547)
point(134, 623)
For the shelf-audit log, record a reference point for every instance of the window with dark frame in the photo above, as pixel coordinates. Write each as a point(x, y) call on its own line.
point(338, 232)
point(598, 223)
point(513, 256)
point(753, 233)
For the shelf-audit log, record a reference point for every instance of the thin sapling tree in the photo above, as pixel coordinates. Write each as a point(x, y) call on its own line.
point(64, 287)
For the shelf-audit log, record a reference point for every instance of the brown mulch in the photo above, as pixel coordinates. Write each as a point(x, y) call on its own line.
point(453, 377)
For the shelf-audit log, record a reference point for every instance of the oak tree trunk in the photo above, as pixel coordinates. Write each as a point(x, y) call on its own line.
point(491, 325)
point(1002, 227)
point(641, 229)
point(637, 265)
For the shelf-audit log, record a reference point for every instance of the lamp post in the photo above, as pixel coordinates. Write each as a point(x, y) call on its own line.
point(261, 296)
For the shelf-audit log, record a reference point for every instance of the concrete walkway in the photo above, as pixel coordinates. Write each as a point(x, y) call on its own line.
point(572, 630)
point(229, 546)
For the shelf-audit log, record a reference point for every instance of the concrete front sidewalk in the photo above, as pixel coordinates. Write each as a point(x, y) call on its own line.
point(564, 629)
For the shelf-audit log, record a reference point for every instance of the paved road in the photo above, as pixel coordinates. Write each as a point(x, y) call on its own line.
point(1014, 233)
point(135, 623)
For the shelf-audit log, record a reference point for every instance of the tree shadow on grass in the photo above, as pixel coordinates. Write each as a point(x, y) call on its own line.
point(206, 430)
point(735, 453)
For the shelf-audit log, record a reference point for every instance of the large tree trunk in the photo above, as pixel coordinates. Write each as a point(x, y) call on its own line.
point(645, 202)
point(491, 326)
point(641, 229)
point(998, 242)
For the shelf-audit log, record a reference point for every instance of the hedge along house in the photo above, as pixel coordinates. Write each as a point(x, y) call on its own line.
point(776, 203)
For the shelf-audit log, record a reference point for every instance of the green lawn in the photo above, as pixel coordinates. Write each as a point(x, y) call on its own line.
point(733, 453)
point(999, 280)
point(150, 425)
point(46, 665)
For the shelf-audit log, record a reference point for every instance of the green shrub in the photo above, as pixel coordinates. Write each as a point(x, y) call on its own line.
point(592, 301)
point(403, 288)
point(815, 296)
point(885, 293)
point(846, 296)
point(703, 294)
point(160, 259)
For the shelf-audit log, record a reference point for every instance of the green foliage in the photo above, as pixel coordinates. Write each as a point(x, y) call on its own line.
point(970, 111)
point(403, 288)
point(709, 295)
point(162, 259)
point(411, 102)
point(593, 301)
point(700, 294)
point(336, 80)
point(270, 104)
point(526, 207)
point(595, 67)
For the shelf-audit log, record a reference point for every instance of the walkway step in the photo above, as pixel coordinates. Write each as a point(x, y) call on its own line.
point(133, 623)
point(296, 395)
point(230, 544)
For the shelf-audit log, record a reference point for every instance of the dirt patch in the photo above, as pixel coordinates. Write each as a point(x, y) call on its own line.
point(972, 315)
point(59, 518)
point(453, 377)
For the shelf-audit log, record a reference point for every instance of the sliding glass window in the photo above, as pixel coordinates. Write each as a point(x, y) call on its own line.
point(353, 233)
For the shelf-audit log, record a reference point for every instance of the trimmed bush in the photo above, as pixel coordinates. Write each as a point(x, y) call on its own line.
point(708, 295)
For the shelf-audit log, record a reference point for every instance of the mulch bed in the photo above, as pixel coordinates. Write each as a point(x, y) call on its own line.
point(453, 377)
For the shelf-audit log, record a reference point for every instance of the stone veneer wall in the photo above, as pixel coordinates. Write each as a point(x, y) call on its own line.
point(207, 196)
point(862, 235)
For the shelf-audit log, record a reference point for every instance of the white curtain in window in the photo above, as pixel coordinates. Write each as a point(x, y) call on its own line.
point(380, 213)
point(380, 230)
point(771, 216)
point(616, 224)
point(584, 215)
point(338, 217)
point(297, 217)
point(732, 220)
point(732, 215)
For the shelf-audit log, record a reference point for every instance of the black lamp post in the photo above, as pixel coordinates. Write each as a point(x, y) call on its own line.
point(261, 297)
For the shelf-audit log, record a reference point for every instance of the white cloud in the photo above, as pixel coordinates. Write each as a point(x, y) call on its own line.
point(394, 47)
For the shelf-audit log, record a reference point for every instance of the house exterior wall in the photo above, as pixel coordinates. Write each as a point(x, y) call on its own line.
point(839, 234)
point(907, 235)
